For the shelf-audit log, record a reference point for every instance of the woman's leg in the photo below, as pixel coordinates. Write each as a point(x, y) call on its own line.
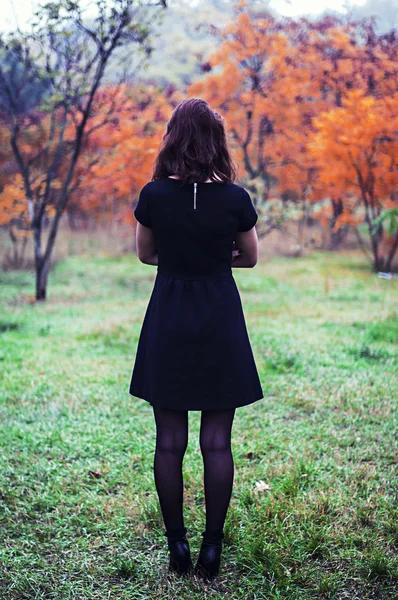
point(215, 444)
point(171, 443)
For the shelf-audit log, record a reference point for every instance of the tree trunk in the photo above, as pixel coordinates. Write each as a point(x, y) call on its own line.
point(379, 261)
point(375, 238)
point(14, 240)
point(336, 237)
point(302, 224)
point(71, 219)
point(391, 254)
point(41, 280)
point(24, 244)
point(42, 263)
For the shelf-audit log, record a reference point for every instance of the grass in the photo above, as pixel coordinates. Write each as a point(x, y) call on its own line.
point(314, 507)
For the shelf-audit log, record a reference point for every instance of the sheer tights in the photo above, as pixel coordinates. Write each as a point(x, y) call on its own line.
point(215, 445)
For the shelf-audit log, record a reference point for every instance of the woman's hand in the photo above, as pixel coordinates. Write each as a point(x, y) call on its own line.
point(235, 252)
point(247, 254)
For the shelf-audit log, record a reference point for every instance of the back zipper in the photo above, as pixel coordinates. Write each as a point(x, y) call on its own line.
point(194, 195)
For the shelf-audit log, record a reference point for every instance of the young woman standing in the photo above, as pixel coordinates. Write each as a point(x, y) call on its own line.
point(194, 352)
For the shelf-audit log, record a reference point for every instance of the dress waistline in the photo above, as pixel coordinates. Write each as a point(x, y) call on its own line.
point(217, 275)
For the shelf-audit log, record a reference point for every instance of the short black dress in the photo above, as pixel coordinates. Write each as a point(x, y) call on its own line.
point(194, 351)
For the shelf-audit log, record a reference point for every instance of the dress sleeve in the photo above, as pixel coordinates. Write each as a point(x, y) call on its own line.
point(142, 210)
point(248, 215)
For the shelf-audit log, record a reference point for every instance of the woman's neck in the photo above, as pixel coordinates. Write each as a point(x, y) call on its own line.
point(174, 177)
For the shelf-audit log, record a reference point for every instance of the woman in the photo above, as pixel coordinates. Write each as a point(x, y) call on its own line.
point(194, 351)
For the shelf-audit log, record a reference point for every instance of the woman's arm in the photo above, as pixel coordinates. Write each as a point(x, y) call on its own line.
point(247, 242)
point(146, 245)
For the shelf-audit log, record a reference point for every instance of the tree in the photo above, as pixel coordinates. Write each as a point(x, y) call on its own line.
point(125, 151)
point(271, 78)
point(240, 79)
point(261, 77)
point(356, 146)
point(63, 59)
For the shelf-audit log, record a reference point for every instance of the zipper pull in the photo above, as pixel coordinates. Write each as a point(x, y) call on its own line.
point(194, 195)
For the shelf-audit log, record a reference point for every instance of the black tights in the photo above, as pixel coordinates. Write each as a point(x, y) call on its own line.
point(215, 445)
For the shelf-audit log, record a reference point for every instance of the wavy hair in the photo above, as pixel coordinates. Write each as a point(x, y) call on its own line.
point(194, 147)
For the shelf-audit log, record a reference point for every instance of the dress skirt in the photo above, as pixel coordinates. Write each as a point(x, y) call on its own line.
point(194, 351)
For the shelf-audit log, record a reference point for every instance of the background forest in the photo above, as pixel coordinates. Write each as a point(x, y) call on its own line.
point(310, 107)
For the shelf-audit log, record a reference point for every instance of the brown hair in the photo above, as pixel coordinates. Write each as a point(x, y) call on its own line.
point(194, 147)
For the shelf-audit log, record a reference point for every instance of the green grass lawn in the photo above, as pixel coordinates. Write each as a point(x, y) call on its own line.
point(314, 509)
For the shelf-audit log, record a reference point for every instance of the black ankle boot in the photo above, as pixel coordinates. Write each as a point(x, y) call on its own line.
point(179, 553)
point(208, 563)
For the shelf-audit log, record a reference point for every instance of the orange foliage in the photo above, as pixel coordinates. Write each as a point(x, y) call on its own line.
point(357, 146)
point(123, 150)
point(273, 80)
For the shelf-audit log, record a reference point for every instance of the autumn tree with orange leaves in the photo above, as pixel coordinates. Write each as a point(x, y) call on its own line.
point(272, 78)
point(125, 149)
point(358, 145)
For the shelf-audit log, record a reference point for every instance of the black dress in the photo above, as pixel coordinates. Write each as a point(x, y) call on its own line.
point(194, 352)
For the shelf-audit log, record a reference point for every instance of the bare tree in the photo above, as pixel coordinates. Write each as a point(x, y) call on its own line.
point(53, 74)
